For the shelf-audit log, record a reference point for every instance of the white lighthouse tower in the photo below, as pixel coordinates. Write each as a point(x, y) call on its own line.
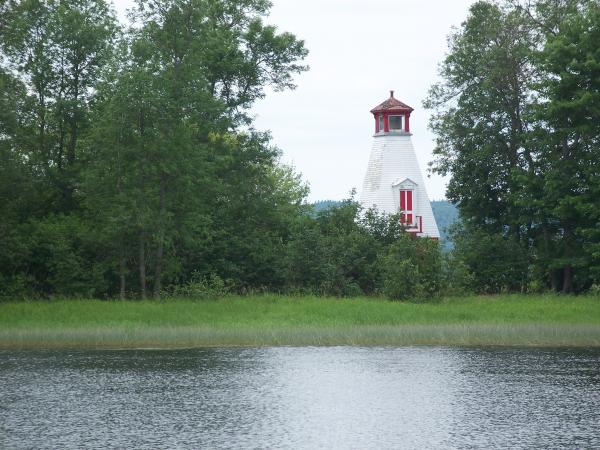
point(393, 183)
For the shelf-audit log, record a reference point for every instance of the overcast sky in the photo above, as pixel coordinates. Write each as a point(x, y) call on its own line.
point(359, 50)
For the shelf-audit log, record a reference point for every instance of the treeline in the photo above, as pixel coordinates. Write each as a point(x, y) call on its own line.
point(128, 160)
point(129, 166)
point(517, 119)
point(345, 251)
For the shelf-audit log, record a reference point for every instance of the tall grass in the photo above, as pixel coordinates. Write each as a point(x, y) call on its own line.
point(278, 320)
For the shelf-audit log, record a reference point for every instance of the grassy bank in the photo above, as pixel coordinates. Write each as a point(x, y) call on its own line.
point(276, 320)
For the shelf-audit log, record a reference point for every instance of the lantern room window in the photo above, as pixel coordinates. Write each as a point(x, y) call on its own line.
point(380, 122)
point(406, 207)
point(396, 123)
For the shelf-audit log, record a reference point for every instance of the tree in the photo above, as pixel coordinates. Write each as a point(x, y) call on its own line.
point(513, 119)
point(568, 130)
point(481, 115)
point(167, 156)
point(58, 48)
point(131, 152)
point(494, 262)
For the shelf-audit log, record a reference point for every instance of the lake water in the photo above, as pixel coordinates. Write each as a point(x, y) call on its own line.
point(313, 398)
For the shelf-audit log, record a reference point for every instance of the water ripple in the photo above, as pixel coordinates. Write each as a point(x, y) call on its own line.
point(329, 398)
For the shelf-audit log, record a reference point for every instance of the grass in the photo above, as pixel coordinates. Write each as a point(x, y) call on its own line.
point(524, 320)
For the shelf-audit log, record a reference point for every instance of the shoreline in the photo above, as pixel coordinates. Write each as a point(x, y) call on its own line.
point(272, 320)
point(450, 335)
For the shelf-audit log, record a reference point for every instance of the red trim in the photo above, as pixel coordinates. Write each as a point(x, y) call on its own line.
point(386, 125)
point(414, 231)
point(402, 200)
point(409, 200)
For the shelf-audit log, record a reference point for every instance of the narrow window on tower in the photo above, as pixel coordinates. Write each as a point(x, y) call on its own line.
point(380, 122)
point(406, 207)
point(396, 123)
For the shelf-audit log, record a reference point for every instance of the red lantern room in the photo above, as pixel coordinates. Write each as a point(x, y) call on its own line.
point(392, 116)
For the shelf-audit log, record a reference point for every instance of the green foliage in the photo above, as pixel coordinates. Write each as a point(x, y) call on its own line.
point(412, 269)
point(345, 251)
point(123, 163)
point(129, 165)
point(445, 213)
point(332, 254)
point(489, 263)
point(457, 278)
point(202, 288)
point(51, 257)
point(516, 117)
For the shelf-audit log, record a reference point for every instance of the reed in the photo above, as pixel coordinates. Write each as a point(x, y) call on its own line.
point(523, 320)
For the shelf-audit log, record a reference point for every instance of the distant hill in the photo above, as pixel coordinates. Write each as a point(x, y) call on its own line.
point(323, 205)
point(445, 214)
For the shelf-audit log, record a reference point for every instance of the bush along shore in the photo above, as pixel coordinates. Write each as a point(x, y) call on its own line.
point(511, 320)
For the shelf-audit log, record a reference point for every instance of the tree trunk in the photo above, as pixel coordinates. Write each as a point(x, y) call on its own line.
point(567, 269)
point(553, 280)
point(42, 129)
point(142, 264)
point(74, 121)
point(72, 143)
point(552, 275)
point(161, 240)
point(567, 279)
point(61, 142)
point(122, 268)
point(142, 243)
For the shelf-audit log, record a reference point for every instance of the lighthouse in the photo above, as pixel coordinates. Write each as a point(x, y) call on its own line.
point(393, 183)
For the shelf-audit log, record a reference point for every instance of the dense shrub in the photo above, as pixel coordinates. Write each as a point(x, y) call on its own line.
point(201, 287)
point(412, 269)
point(51, 257)
point(495, 262)
point(332, 254)
point(345, 251)
point(457, 279)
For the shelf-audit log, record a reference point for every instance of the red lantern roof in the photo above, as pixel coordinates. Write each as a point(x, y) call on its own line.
point(392, 105)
